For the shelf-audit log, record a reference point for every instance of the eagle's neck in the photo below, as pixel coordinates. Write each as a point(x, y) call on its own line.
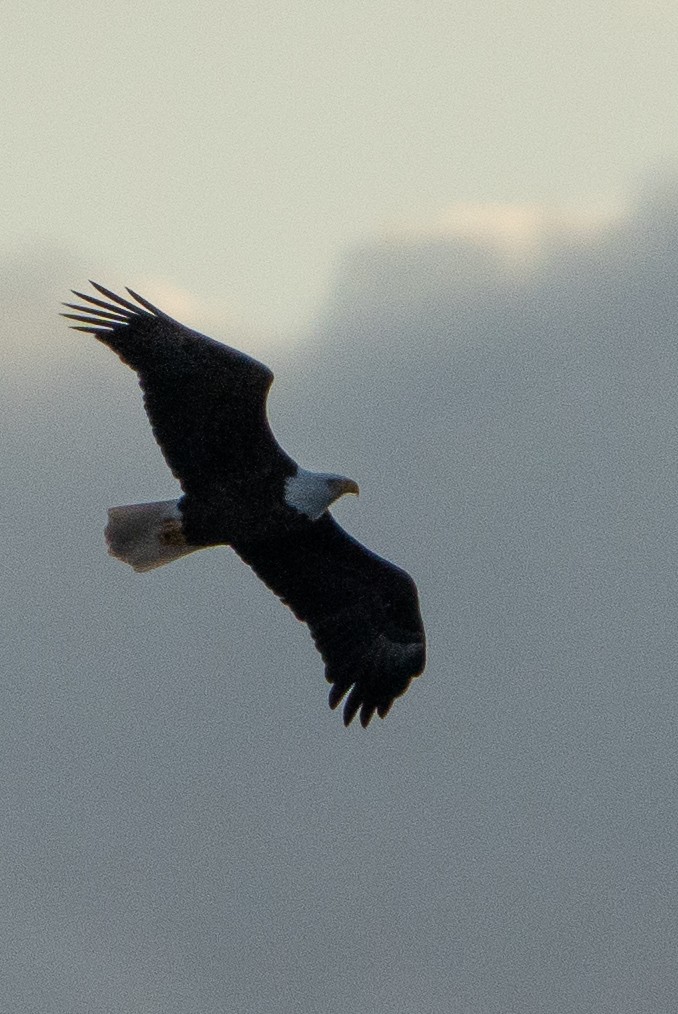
point(311, 493)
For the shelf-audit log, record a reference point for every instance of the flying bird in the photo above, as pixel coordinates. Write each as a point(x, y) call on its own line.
point(206, 404)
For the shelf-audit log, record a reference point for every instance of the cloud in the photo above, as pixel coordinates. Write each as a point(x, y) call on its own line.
point(517, 234)
point(173, 781)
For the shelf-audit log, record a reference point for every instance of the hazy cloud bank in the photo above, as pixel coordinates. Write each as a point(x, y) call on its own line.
point(186, 827)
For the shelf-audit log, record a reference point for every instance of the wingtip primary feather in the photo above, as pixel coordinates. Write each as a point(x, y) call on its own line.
point(367, 714)
point(352, 705)
point(89, 320)
point(117, 315)
point(109, 307)
point(145, 303)
point(337, 692)
point(114, 297)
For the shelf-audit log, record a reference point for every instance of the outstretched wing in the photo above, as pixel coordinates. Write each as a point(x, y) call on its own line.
point(206, 401)
point(362, 611)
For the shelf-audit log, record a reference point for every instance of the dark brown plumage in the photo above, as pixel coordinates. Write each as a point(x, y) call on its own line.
point(207, 406)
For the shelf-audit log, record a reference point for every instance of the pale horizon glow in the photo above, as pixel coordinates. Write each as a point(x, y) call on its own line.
point(518, 234)
point(237, 151)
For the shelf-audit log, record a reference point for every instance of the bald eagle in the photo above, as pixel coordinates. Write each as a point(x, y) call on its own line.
point(207, 406)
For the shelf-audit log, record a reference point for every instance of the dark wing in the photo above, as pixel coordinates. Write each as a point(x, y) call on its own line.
point(363, 612)
point(206, 401)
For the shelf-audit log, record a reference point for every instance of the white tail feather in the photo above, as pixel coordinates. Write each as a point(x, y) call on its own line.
point(147, 535)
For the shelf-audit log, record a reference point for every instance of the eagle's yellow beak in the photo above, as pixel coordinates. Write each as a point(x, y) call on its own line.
point(339, 485)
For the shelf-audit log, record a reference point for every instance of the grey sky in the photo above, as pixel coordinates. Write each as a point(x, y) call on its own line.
point(233, 150)
point(462, 215)
point(186, 827)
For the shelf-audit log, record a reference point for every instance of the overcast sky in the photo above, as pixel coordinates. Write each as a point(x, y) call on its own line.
point(456, 240)
point(185, 825)
point(234, 149)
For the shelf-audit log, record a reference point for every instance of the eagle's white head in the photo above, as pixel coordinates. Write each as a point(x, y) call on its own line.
point(311, 493)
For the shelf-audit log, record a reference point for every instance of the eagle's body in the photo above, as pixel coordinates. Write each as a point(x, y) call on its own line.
point(207, 406)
